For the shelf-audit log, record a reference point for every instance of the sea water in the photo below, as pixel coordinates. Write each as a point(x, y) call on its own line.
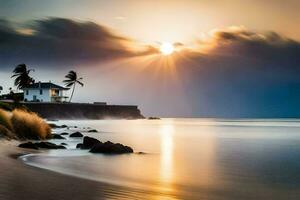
point(187, 158)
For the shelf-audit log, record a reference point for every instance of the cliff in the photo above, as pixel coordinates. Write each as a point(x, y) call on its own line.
point(84, 111)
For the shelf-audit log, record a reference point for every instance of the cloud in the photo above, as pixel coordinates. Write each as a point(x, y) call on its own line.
point(62, 28)
point(233, 72)
point(238, 49)
point(62, 42)
point(244, 73)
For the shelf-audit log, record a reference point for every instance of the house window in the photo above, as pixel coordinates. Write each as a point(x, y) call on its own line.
point(27, 92)
point(55, 92)
point(41, 92)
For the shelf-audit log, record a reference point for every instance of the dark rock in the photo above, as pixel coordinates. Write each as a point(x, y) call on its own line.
point(111, 148)
point(44, 145)
point(64, 133)
point(76, 134)
point(93, 131)
point(63, 144)
point(89, 142)
point(28, 145)
point(49, 145)
point(29, 136)
point(53, 120)
point(56, 136)
point(52, 125)
point(57, 126)
point(79, 146)
point(140, 152)
point(153, 118)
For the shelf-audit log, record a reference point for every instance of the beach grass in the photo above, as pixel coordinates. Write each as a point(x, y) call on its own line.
point(6, 125)
point(5, 119)
point(28, 125)
point(5, 132)
point(23, 124)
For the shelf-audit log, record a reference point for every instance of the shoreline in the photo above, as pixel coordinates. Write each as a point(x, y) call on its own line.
point(19, 177)
point(22, 181)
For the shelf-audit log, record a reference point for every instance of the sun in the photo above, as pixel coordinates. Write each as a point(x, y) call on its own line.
point(166, 48)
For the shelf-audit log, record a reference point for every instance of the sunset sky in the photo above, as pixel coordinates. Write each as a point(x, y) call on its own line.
point(231, 58)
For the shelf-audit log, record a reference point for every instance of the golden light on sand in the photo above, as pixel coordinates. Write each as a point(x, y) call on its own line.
point(167, 48)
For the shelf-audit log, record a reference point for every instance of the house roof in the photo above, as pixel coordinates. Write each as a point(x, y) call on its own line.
point(45, 85)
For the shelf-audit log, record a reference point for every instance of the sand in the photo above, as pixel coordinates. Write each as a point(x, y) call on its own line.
point(20, 181)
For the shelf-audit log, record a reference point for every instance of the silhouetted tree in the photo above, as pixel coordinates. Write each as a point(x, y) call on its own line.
point(71, 81)
point(15, 97)
point(22, 78)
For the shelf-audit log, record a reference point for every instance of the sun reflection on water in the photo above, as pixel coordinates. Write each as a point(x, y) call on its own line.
point(166, 159)
point(172, 163)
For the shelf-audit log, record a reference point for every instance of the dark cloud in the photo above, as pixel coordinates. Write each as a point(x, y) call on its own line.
point(246, 74)
point(61, 28)
point(245, 36)
point(242, 74)
point(62, 42)
point(5, 26)
point(240, 50)
point(7, 33)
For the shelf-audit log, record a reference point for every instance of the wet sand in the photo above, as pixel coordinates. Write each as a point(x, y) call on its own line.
point(20, 181)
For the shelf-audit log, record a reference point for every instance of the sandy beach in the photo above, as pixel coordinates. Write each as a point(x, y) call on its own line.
point(20, 181)
point(221, 162)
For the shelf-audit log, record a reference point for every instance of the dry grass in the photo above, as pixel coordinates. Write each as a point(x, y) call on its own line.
point(5, 119)
point(22, 124)
point(6, 133)
point(6, 125)
point(27, 125)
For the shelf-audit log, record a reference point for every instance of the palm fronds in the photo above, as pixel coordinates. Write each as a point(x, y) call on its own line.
point(21, 75)
point(71, 81)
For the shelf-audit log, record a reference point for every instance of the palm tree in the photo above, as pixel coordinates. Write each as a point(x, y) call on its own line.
point(22, 76)
point(71, 81)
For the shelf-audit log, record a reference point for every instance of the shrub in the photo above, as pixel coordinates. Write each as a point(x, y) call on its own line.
point(28, 125)
point(5, 132)
point(5, 119)
point(11, 106)
point(5, 106)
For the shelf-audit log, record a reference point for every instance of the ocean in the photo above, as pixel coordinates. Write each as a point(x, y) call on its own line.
point(186, 158)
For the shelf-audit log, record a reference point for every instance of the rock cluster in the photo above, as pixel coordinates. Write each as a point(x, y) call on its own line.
point(111, 148)
point(57, 126)
point(76, 134)
point(57, 136)
point(92, 131)
point(108, 147)
point(42, 145)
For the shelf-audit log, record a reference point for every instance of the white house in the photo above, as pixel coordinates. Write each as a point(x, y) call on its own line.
point(44, 92)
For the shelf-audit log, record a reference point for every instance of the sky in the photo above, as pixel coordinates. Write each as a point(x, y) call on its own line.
point(232, 58)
